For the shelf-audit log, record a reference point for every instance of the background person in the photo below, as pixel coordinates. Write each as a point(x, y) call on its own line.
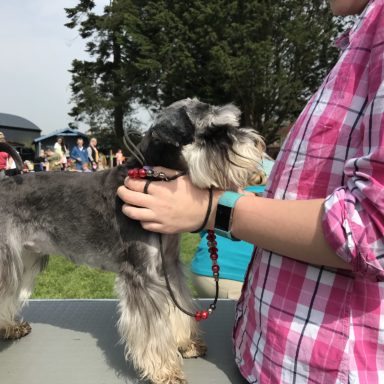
point(53, 159)
point(93, 154)
point(40, 164)
point(119, 157)
point(4, 158)
point(61, 150)
point(79, 154)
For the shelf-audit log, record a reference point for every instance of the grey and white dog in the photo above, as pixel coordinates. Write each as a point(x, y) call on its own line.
point(79, 216)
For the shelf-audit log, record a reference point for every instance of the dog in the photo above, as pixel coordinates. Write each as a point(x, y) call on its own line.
point(78, 215)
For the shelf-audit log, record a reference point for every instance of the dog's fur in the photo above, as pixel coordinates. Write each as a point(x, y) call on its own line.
point(79, 216)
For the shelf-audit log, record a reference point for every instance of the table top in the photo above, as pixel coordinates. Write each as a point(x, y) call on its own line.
point(76, 342)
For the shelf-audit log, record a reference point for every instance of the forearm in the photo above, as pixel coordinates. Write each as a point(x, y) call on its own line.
point(289, 228)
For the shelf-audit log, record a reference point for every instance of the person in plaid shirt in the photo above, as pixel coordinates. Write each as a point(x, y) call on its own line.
point(312, 307)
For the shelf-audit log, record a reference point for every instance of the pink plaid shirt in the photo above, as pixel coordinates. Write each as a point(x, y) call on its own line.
point(299, 323)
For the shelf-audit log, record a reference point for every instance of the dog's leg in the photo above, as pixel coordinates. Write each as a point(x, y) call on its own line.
point(11, 271)
point(16, 282)
point(186, 333)
point(184, 327)
point(145, 327)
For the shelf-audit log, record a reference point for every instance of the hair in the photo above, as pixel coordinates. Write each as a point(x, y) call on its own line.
point(92, 138)
point(218, 152)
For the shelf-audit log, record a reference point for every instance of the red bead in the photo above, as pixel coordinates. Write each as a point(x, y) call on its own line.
point(130, 172)
point(142, 173)
point(212, 250)
point(214, 256)
point(211, 237)
point(215, 268)
point(198, 315)
point(135, 173)
point(204, 315)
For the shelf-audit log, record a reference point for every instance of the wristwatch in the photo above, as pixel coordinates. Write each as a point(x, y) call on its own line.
point(224, 214)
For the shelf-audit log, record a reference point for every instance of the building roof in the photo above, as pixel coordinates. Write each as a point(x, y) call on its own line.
point(13, 121)
point(61, 132)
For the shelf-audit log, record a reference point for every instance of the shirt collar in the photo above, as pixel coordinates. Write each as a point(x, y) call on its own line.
point(342, 41)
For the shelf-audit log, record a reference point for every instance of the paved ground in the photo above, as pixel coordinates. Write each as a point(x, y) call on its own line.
point(76, 342)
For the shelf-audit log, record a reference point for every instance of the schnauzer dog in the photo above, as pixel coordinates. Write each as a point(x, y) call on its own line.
point(79, 216)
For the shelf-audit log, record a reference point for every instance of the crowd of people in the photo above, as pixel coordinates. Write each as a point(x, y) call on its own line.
point(59, 158)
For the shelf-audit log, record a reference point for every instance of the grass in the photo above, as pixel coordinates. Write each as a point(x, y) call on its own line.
point(65, 280)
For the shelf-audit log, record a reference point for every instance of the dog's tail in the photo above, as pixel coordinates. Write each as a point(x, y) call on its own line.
point(5, 147)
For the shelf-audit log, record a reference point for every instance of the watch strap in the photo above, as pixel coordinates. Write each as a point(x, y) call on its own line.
point(224, 213)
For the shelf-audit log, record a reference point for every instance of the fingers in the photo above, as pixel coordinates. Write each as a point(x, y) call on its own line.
point(133, 197)
point(155, 227)
point(140, 214)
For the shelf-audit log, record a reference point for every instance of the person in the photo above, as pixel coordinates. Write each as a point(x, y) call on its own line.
point(93, 154)
point(312, 306)
point(85, 168)
point(4, 158)
point(40, 163)
point(53, 159)
point(79, 154)
point(234, 257)
point(119, 157)
point(61, 150)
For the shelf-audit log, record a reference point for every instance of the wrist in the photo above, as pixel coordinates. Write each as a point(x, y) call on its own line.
point(212, 216)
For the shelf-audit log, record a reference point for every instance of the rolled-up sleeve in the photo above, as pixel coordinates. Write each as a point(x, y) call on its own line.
point(353, 221)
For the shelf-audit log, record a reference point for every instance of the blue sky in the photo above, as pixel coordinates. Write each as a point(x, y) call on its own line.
point(36, 53)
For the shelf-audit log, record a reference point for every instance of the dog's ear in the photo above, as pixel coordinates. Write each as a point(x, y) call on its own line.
point(216, 120)
point(227, 115)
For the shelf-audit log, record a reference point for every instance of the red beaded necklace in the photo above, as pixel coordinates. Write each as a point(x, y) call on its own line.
point(150, 175)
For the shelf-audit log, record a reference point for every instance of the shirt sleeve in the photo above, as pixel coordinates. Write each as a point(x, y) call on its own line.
point(89, 151)
point(74, 155)
point(353, 220)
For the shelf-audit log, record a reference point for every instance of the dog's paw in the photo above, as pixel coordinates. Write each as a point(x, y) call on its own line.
point(16, 331)
point(195, 349)
point(174, 378)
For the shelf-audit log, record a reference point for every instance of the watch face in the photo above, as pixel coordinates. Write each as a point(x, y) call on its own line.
point(223, 216)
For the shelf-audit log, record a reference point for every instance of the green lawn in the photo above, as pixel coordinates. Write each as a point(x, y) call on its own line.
point(63, 279)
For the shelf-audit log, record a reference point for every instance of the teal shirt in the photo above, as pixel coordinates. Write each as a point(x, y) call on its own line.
point(234, 256)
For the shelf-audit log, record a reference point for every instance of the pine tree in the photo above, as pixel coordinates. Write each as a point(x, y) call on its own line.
point(263, 55)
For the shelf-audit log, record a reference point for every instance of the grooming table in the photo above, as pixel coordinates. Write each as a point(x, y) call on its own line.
point(76, 342)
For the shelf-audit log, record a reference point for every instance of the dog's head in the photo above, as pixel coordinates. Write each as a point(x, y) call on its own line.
point(208, 142)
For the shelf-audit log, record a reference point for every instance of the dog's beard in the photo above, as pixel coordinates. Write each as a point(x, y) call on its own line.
point(223, 166)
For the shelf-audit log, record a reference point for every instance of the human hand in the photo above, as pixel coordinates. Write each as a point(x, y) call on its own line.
point(169, 207)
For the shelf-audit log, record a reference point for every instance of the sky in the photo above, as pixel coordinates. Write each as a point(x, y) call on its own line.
point(36, 51)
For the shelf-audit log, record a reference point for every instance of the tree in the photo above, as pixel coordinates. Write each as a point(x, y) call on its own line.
point(104, 88)
point(265, 56)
